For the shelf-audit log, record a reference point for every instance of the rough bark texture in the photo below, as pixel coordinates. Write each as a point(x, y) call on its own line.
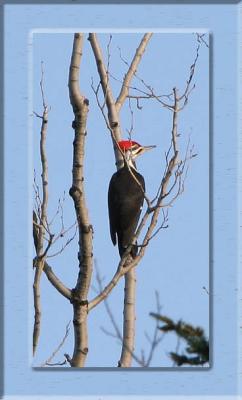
point(85, 257)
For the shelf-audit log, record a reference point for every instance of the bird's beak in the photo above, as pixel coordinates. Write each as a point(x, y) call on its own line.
point(149, 147)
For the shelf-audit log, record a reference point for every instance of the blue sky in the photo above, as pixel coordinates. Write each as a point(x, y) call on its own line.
point(177, 261)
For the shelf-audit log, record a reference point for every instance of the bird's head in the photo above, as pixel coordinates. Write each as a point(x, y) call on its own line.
point(132, 149)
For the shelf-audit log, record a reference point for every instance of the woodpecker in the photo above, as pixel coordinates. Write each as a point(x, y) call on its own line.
point(126, 197)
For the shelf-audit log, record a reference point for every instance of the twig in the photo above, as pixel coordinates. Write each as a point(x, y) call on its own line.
point(200, 38)
point(65, 244)
point(157, 338)
point(130, 131)
point(48, 361)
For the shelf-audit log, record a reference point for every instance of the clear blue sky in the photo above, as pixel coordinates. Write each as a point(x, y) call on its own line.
point(177, 261)
point(180, 289)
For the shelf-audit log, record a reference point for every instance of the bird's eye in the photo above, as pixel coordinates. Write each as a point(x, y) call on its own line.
point(135, 149)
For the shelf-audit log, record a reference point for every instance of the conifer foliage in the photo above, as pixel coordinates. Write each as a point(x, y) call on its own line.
point(197, 349)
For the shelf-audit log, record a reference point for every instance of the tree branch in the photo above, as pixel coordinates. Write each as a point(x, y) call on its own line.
point(113, 116)
point(39, 233)
point(132, 70)
point(48, 362)
point(55, 281)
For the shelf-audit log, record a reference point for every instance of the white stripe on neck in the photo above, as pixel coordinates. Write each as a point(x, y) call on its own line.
point(129, 159)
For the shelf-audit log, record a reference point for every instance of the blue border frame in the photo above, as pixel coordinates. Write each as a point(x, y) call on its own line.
point(224, 159)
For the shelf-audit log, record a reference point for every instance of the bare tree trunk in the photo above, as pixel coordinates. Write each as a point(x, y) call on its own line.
point(129, 319)
point(79, 293)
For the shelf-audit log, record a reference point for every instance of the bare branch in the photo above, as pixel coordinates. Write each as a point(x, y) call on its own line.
point(132, 70)
point(200, 38)
point(113, 116)
point(48, 362)
point(163, 225)
point(37, 307)
point(157, 338)
point(41, 226)
point(150, 94)
point(59, 210)
point(62, 289)
point(68, 241)
point(130, 131)
point(146, 95)
point(109, 312)
point(43, 219)
point(189, 87)
point(57, 363)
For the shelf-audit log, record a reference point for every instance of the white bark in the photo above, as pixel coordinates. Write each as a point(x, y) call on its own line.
point(77, 192)
point(128, 319)
point(43, 224)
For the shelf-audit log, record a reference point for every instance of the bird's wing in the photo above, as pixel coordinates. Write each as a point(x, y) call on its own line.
point(130, 211)
point(111, 210)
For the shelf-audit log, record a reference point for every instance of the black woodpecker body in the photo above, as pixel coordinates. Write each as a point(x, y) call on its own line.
point(126, 197)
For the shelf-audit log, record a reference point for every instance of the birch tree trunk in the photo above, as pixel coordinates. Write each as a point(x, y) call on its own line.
point(85, 256)
point(128, 319)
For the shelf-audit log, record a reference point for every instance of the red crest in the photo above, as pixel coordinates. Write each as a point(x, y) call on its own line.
point(126, 144)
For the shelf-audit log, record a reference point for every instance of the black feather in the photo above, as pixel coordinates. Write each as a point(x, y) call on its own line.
point(125, 201)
